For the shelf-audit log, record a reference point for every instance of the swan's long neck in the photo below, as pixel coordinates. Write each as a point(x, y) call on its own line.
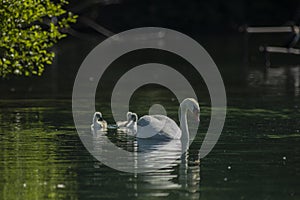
point(183, 123)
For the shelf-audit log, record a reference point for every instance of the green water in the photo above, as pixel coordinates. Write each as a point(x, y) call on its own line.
point(256, 157)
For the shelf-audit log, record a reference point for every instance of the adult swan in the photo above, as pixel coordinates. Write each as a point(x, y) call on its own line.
point(163, 127)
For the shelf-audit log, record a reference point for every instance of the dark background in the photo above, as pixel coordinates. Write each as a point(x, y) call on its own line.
point(193, 16)
point(216, 25)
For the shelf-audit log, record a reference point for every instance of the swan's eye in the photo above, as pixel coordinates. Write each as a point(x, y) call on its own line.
point(195, 110)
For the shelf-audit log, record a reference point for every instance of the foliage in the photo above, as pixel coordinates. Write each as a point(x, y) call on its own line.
point(28, 28)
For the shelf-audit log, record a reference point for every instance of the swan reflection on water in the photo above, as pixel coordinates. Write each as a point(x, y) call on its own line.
point(177, 171)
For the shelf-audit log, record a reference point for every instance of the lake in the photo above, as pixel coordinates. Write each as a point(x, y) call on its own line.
point(256, 157)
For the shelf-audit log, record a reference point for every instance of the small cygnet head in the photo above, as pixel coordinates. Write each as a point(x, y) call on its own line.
point(134, 117)
point(98, 117)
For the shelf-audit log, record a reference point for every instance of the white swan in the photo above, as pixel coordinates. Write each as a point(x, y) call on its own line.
point(124, 123)
point(163, 127)
point(129, 126)
point(132, 124)
point(98, 122)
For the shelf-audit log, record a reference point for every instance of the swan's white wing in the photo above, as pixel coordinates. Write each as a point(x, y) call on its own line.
point(151, 125)
point(148, 126)
point(170, 128)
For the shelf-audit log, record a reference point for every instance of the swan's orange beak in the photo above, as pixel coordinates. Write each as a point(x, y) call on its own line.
point(196, 115)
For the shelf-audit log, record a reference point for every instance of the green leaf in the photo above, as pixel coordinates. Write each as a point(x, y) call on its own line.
point(25, 41)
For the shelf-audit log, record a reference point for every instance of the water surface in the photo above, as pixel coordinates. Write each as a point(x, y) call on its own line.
point(256, 157)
